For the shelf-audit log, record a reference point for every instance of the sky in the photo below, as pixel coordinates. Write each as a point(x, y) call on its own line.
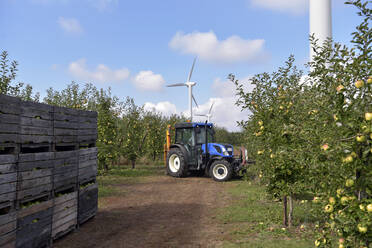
point(138, 47)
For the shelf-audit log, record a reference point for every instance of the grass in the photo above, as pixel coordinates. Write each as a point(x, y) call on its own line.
point(252, 220)
point(109, 182)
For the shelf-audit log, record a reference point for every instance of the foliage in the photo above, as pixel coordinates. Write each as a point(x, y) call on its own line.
point(8, 73)
point(316, 135)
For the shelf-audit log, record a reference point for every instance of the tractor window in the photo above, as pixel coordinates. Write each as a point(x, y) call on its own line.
point(185, 136)
point(200, 137)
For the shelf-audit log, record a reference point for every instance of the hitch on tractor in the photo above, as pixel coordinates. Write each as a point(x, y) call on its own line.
point(194, 149)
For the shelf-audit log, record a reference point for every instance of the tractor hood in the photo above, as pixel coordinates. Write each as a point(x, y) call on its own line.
point(224, 150)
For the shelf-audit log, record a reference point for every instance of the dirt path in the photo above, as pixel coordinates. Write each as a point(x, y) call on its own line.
point(161, 212)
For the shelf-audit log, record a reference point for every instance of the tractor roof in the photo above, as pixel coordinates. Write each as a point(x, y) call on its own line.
point(192, 124)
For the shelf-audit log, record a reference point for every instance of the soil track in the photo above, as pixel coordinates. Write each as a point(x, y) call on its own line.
point(160, 212)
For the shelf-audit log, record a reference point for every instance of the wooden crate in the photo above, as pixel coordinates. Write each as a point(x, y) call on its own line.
point(87, 132)
point(64, 214)
point(8, 227)
point(87, 165)
point(9, 119)
point(65, 174)
point(66, 123)
point(35, 173)
point(88, 202)
point(8, 180)
point(36, 124)
point(34, 225)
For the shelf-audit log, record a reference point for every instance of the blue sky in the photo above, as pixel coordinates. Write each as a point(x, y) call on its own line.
point(137, 47)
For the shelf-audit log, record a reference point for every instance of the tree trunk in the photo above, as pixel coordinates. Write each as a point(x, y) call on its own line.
point(290, 213)
point(285, 216)
point(133, 164)
point(106, 167)
point(154, 156)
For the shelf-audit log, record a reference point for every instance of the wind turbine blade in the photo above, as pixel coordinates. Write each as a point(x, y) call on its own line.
point(200, 115)
point(192, 68)
point(175, 85)
point(210, 110)
point(193, 98)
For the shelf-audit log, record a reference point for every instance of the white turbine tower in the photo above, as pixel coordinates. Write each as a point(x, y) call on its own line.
point(189, 85)
point(209, 115)
point(320, 21)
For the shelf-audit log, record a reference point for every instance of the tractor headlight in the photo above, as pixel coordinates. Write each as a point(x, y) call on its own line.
point(225, 152)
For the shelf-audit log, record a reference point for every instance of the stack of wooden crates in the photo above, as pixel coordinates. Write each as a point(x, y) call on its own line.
point(48, 168)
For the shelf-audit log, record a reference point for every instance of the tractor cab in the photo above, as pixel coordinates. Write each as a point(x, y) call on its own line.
point(194, 149)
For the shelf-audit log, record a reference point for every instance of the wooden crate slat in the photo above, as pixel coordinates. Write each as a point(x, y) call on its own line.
point(9, 128)
point(8, 227)
point(66, 124)
point(7, 178)
point(22, 213)
point(9, 138)
point(7, 159)
point(64, 216)
point(9, 99)
point(6, 199)
point(9, 118)
point(8, 240)
point(27, 121)
point(10, 109)
point(35, 182)
point(64, 228)
point(28, 175)
point(65, 198)
point(27, 157)
point(35, 138)
point(7, 168)
point(82, 132)
point(32, 130)
point(87, 113)
point(8, 218)
point(65, 139)
point(65, 131)
point(35, 192)
point(8, 187)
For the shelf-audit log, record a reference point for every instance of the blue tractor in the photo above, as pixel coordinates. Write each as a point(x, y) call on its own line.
point(194, 149)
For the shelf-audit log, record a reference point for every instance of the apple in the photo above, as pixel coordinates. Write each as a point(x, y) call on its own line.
point(370, 135)
point(348, 159)
point(369, 208)
point(316, 199)
point(353, 154)
point(258, 134)
point(341, 246)
point(281, 107)
point(317, 243)
point(325, 147)
point(260, 123)
point(302, 227)
point(344, 200)
point(328, 208)
point(369, 80)
point(349, 183)
point(340, 88)
point(262, 128)
point(359, 84)
point(335, 117)
point(368, 116)
point(332, 200)
point(340, 192)
point(362, 207)
point(341, 240)
point(260, 152)
point(361, 138)
point(272, 155)
point(362, 229)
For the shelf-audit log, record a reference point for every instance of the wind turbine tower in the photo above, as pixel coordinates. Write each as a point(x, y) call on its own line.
point(320, 21)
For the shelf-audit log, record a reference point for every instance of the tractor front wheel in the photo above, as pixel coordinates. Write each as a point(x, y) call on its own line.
point(221, 171)
point(176, 165)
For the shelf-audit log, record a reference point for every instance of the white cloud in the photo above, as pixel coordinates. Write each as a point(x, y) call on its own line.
point(148, 81)
point(206, 46)
point(292, 6)
point(226, 88)
point(165, 108)
point(70, 25)
point(102, 73)
point(103, 4)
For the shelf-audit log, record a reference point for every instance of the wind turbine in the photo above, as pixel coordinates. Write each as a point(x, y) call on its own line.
point(189, 85)
point(209, 115)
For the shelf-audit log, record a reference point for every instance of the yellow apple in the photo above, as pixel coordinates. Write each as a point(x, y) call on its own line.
point(362, 207)
point(260, 123)
point(349, 183)
point(332, 200)
point(361, 138)
point(340, 88)
point(359, 84)
point(262, 128)
point(317, 243)
point(348, 159)
point(369, 208)
point(316, 199)
point(328, 208)
point(344, 200)
point(362, 229)
point(369, 80)
point(368, 116)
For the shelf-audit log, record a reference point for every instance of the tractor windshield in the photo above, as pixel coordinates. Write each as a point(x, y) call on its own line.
point(200, 137)
point(185, 136)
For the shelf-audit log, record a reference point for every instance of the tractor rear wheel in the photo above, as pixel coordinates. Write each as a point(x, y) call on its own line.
point(221, 171)
point(176, 164)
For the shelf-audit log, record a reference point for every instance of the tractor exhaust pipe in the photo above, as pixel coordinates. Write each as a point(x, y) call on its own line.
point(206, 145)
